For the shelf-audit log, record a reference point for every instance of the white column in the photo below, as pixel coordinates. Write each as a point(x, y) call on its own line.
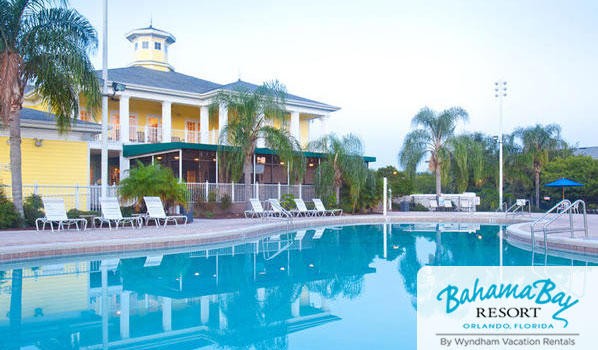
point(222, 319)
point(124, 119)
point(261, 143)
point(125, 299)
point(304, 299)
point(294, 127)
point(204, 309)
point(296, 308)
point(204, 124)
point(166, 314)
point(261, 295)
point(166, 121)
point(222, 118)
point(323, 125)
point(124, 167)
point(323, 303)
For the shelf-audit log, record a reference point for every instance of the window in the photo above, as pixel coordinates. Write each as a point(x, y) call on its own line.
point(157, 46)
point(145, 44)
point(83, 115)
point(136, 46)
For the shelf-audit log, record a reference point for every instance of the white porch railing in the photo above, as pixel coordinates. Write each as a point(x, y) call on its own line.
point(152, 134)
point(205, 191)
point(194, 136)
point(88, 197)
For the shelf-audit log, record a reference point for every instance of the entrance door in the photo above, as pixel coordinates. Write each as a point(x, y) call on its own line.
point(133, 136)
point(192, 131)
point(154, 134)
point(114, 126)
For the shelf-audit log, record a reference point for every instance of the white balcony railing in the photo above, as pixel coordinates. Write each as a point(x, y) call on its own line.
point(152, 134)
point(194, 136)
point(147, 134)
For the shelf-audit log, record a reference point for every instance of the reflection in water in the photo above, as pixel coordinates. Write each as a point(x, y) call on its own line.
point(273, 293)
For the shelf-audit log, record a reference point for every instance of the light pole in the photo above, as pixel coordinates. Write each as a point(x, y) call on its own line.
point(104, 155)
point(500, 92)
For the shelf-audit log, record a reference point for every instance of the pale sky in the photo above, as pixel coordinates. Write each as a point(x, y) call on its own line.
point(381, 61)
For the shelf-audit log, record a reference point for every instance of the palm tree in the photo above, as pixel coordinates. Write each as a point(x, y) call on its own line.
point(432, 138)
point(467, 155)
point(343, 164)
point(539, 143)
point(47, 46)
point(253, 111)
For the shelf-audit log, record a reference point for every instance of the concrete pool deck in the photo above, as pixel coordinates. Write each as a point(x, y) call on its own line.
point(28, 245)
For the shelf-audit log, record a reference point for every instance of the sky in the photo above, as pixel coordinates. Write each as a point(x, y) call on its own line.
point(382, 61)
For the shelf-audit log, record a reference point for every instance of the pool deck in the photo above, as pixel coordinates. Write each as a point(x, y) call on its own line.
point(519, 234)
point(30, 244)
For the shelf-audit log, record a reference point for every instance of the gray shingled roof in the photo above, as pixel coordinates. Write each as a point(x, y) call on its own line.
point(181, 82)
point(159, 79)
point(587, 151)
point(32, 115)
point(243, 85)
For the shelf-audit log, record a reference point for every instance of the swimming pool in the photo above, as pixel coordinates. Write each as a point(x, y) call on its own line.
point(350, 287)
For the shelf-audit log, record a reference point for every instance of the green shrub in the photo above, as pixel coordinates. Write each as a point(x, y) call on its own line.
point(225, 202)
point(211, 196)
point(287, 201)
point(9, 217)
point(76, 213)
point(152, 180)
point(127, 211)
point(329, 201)
point(32, 207)
point(418, 207)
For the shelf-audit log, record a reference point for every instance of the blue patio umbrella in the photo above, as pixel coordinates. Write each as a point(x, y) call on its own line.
point(563, 182)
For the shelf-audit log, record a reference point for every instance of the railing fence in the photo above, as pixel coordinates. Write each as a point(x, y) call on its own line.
point(88, 197)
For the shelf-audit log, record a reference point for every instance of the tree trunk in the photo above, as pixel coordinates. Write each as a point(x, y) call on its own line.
point(11, 99)
point(438, 179)
point(537, 183)
point(247, 171)
point(15, 160)
point(337, 190)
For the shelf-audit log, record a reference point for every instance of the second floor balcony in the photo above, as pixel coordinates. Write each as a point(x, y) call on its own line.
point(154, 134)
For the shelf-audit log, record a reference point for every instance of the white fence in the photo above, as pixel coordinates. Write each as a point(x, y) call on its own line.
point(206, 191)
point(88, 197)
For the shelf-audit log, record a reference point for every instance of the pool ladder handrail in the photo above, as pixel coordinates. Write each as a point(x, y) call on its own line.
point(543, 218)
point(518, 208)
point(564, 207)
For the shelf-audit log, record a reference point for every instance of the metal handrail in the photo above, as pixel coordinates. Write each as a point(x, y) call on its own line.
point(570, 209)
point(502, 208)
point(518, 208)
point(564, 202)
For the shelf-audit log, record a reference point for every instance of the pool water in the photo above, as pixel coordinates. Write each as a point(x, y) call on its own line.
point(351, 287)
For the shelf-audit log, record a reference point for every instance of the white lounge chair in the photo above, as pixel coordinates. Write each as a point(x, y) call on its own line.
point(318, 233)
point(155, 211)
point(278, 209)
point(448, 205)
point(257, 210)
point(111, 214)
point(320, 207)
point(56, 213)
point(302, 209)
point(433, 204)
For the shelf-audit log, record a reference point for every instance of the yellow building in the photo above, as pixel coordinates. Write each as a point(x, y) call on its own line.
point(160, 114)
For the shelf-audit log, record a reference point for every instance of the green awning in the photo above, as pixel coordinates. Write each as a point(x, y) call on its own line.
point(146, 149)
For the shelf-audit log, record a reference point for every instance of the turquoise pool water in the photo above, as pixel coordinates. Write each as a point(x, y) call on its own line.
point(351, 287)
